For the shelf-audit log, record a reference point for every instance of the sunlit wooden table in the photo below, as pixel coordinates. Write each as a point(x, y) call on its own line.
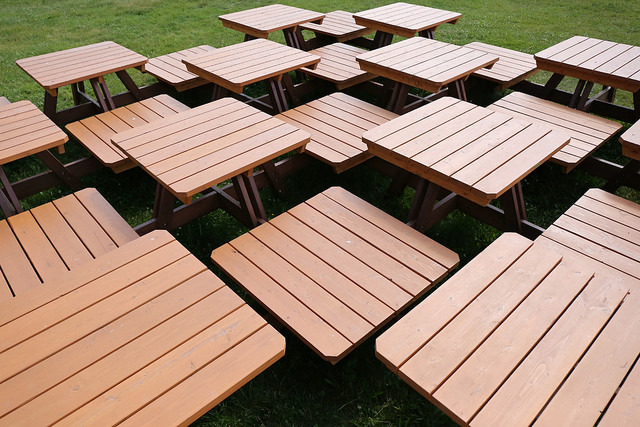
point(25, 131)
point(425, 64)
point(72, 67)
point(236, 66)
point(405, 20)
point(261, 21)
point(144, 334)
point(471, 151)
point(192, 151)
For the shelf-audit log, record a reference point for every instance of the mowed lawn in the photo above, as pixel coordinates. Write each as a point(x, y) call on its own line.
point(301, 389)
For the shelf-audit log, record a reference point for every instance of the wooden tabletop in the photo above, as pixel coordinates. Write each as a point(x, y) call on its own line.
point(630, 141)
point(199, 148)
point(25, 130)
point(261, 21)
point(56, 69)
point(469, 150)
point(523, 334)
point(598, 61)
point(334, 269)
point(169, 68)
point(338, 24)
point(235, 66)
point(145, 333)
point(424, 63)
point(404, 19)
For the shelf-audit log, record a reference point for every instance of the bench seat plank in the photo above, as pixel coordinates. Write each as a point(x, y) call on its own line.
point(339, 25)
point(630, 141)
point(333, 223)
point(95, 132)
point(336, 123)
point(338, 65)
point(511, 68)
point(170, 69)
point(588, 132)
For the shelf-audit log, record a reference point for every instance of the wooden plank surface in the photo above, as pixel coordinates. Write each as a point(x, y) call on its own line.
point(333, 270)
point(261, 21)
point(169, 68)
point(467, 149)
point(424, 63)
point(405, 19)
point(196, 149)
point(146, 323)
point(95, 132)
point(25, 130)
point(599, 61)
point(56, 69)
point(338, 24)
point(336, 123)
point(511, 68)
point(630, 141)
point(238, 65)
point(338, 65)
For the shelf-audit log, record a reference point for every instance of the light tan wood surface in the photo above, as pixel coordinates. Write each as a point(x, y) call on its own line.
point(336, 123)
point(25, 130)
point(143, 335)
point(338, 24)
point(199, 148)
point(588, 132)
point(521, 335)
point(469, 150)
point(261, 21)
point(630, 141)
point(235, 66)
point(424, 63)
point(56, 69)
point(170, 69)
point(95, 132)
point(598, 61)
point(338, 65)
point(404, 19)
point(334, 269)
point(511, 68)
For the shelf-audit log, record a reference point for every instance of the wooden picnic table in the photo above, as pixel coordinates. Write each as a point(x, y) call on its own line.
point(25, 131)
point(192, 151)
point(144, 335)
point(524, 335)
point(594, 61)
point(261, 21)
point(72, 67)
point(405, 20)
point(337, 26)
point(425, 64)
point(236, 66)
point(472, 152)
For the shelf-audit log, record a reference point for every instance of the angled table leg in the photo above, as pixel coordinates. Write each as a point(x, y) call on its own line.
point(9, 203)
point(514, 209)
point(249, 199)
point(277, 95)
point(163, 207)
point(102, 94)
point(60, 170)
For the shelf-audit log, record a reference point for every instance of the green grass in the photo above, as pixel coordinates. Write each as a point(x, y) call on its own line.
point(301, 389)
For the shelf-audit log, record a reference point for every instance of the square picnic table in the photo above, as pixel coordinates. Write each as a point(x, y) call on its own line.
point(194, 150)
point(476, 154)
point(405, 20)
point(261, 21)
point(73, 67)
point(24, 131)
point(144, 334)
point(425, 64)
point(236, 66)
point(613, 65)
point(524, 335)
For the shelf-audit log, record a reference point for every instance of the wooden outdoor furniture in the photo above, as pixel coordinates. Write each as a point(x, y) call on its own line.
point(236, 66)
point(4, 100)
point(523, 335)
point(42, 244)
point(334, 269)
point(72, 67)
point(405, 20)
point(594, 61)
point(261, 21)
point(192, 151)
point(170, 69)
point(25, 131)
point(511, 68)
point(471, 151)
point(338, 65)
point(425, 64)
point(144, 335)
point(628, 175)
point(630, 141)
point(337, 26)
point(336, 123)
point(95, 132)
point(603, 227)
point(588, 132)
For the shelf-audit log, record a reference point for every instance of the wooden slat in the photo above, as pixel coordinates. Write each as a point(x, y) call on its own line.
point(338, 65)
point(338, 24)
point(169, 68)
point(261, 21)
point(511, 68)
point(624, 408)
point(630, 140)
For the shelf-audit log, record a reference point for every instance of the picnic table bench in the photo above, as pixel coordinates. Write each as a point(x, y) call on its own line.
point(338, 65)
point(337, 26)
point(511, 68)
point(170, 69)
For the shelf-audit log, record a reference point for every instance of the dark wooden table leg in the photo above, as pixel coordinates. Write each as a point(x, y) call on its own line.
point(218, 92)
point(246, 197)
point(457, 90)
point(382, 39)
point(428, 33)
point(103, 96)
point(9, 203)
point(163, 207)
point(623, 175)
point(398, 99)
point(128, 82)
point(274, 177)
point(514, 209)
point(50, 105)
point(60, 170)
point(277, 95)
